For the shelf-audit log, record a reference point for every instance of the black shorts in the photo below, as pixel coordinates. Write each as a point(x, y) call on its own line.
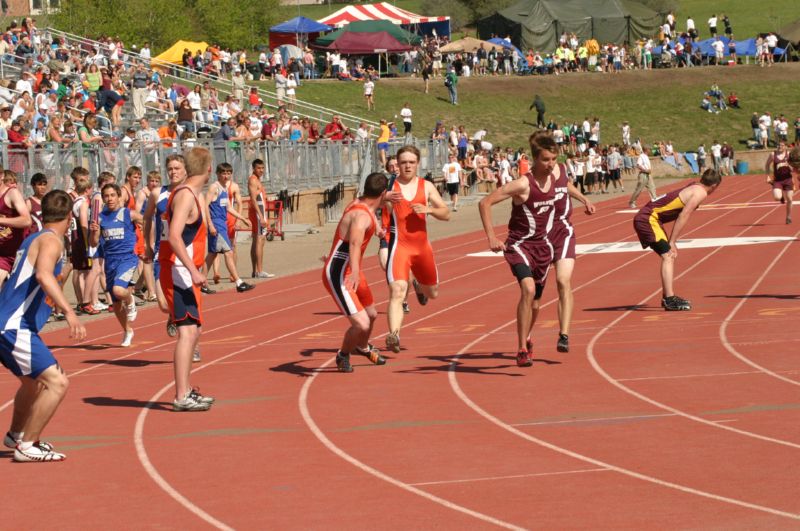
point(407, 127)
point(660, 247)
point(452, 188)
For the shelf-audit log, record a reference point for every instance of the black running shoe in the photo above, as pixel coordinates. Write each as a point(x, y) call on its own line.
point(244, 286)
point(675, 304)
point(207, 290)
point(563, 343)
point(343, 362)
point(421, 297)
point(373, 354)
point(406, 307)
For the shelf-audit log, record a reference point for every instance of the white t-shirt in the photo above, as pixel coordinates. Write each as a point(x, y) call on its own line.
point(712, 22)
point(643, 162)
point(291, 85)
point(772, 41)
point(716, 150)
point(405, 112)
point(369, 86)
point(689, 24)
point(452, 172)
point(505, 171)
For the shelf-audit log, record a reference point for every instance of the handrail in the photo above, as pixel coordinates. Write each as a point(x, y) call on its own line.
point(312, 107)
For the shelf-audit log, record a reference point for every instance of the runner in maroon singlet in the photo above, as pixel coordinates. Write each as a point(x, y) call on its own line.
point(34, 202)
point(14, 219)
point(529, 249)
point(779, 175)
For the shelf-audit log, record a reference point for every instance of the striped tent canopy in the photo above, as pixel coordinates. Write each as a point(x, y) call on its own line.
point(379, 11)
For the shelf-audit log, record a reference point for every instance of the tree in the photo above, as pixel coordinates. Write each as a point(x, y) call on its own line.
point(238, 23)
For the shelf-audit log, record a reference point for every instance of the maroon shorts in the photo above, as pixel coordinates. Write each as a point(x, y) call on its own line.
point(784, 184)
point(529, 260)
point(563, 242)
point(7, 263)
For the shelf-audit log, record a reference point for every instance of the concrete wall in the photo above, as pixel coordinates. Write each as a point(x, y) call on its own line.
point(755, 160)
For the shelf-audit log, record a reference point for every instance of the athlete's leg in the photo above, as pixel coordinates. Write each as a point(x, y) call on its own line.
point(257, 252)
point(564, 268)
point(78, 284)
point(360, 326)
point(26, 394)
point(527, 311)
point(188, 336)
point(394, 312)
point(90, 287)
point(3, 277)
point(788, 194)
point(383, 257)
point(230, 263)
point(149, 279)
point(667, 272)
point(47, 391)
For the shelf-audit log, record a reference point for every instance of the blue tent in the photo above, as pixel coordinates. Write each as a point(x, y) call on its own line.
point(505, 44)
point(300, 25)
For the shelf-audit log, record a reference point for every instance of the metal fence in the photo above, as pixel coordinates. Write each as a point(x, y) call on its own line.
point(290, 166)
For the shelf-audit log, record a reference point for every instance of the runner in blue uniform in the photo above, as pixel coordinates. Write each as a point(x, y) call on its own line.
point(218, 241)
point(25, 305)
point(115, 228)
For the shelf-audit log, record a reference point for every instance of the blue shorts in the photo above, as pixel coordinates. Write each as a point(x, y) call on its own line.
point(220, 243)
point(120, 271)
point(96, 252)
point(24, 353)
point(156, 268)
point(383, 146)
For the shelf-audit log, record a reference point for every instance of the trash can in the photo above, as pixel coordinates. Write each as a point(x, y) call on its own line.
point(742, 167)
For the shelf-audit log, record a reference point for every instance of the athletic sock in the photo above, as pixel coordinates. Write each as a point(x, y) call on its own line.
point(26, 445)
point(239, 282)
point(16, 435)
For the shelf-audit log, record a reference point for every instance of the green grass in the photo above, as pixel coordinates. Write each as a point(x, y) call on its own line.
point(748, 17)
point(660, 105)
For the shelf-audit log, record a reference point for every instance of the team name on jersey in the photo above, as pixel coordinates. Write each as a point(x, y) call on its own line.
point(116, 233)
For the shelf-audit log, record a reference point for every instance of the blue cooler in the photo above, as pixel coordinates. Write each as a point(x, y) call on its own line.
point(742, 167)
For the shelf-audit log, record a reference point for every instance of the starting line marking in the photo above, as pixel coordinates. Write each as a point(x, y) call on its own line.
point(633, 247)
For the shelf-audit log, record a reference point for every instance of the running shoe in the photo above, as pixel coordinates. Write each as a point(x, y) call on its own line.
point(207, 290)
point(189, 403)
point(172, 328)
point(101, 306)
point(195, 393)
point(373, 354)
point(343, 362)
point(393, 342)
point(263, 274)
point(788, 220)
point(631, 205)
point(406, 307)
point(196, 356)
point(244, 286)
point(563, 343)
point(37, 453)
point(88, 309)
point(132, 313)
point(675, 304)
point(127, 339)
point(524, 359)
point(421, 297)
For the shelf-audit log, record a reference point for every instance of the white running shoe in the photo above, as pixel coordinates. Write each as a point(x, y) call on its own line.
point(264, 274)
point(11, 442)
point(100, 306)
point(127, 339)
point(189, 403)
point(38, 453)
point(195, 393)
point(196, 356)
point(132, 312)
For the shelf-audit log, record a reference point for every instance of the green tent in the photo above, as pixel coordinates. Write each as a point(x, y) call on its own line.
point(538, 24)
point(370, 26)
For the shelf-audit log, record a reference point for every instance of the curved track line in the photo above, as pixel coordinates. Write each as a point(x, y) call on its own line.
point(138, 437)
point(723, 329)
point(650, 479)
point(596, 365)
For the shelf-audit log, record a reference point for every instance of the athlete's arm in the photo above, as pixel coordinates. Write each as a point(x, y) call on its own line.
point(136, 217)
point(768, 167)
point(253, 190)
point(435, 206)
point(690, 205)
point(211, 195)
point(236, 198)
point(15, 200)
point(355, 237)
point(518, 188)
point(141, 197)
point(147, 225)
point(46, 259)
point(575, 193)
point(183, 207)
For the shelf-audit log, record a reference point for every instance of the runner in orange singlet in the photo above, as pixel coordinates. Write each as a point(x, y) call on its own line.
point(409, 248)
point(258, 220)
point(181, 255)
point(343, 277)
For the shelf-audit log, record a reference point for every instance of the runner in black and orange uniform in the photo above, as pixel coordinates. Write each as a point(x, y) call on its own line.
point(675, 206)
point(410, 250)
point(343, 277)
point(181, 255)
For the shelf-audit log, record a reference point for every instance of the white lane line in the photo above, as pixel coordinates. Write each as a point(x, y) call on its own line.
point(723, 329)
point(681, 376)
point(138, 435)
point(517, 476)
point(616, 383)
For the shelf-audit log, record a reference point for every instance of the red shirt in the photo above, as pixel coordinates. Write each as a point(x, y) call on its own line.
point(333, 131)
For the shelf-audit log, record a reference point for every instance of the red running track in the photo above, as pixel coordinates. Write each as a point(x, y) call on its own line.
point(653, 419)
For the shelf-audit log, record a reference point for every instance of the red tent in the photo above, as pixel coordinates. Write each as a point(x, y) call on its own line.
point(353, 42)
point(379, 11)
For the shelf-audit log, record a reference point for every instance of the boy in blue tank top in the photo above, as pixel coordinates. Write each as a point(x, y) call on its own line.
point(25, 305)
point(116, 230)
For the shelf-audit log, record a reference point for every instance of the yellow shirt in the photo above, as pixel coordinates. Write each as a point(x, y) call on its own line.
point(385, 134)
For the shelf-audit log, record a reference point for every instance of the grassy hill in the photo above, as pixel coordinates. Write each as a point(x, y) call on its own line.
point(660, 105)
point(748, 17)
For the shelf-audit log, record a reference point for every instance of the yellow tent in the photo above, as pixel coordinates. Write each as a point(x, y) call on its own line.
point(174, 55)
